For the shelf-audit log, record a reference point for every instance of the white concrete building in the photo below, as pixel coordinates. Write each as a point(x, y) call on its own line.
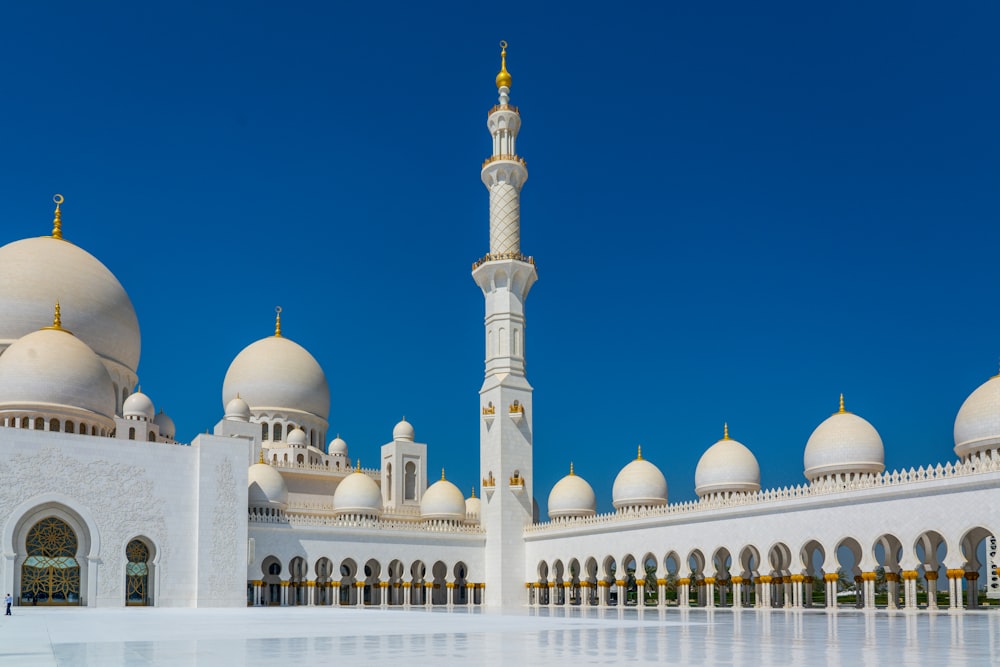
point(101, 506)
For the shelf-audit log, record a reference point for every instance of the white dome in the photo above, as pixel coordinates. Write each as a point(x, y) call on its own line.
point(403, 431)
point(138, 406)
point(337, 447)
point(572, 496)
point(473, 506)
point(843, 444)
point(238, 410)
point(276, 373)
point(296, 438)
point(977, 426)
point(53, 368)
point(443, 501)
point(641, 484)
point(166, 425)
point(357, 494)
point(36, 272)
point(727, 467)
point(267, 487)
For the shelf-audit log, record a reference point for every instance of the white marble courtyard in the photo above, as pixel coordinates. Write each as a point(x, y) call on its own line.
point(298, 636)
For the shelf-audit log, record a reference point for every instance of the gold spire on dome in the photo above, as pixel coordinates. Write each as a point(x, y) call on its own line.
point(503, 78)
point(571, 473)
point(57, 220)
point(56, 320)
point(725, 430)
point(277, 321)
point(442, 474)
point(638, 456)
point(261, 455)
point(359, 465)
point(842, 410)
point(473, 491)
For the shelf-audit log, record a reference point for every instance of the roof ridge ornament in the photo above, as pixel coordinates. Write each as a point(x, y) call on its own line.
point(57, 220)
point(503, 77)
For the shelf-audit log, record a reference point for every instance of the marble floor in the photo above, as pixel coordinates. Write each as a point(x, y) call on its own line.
point(300, 635)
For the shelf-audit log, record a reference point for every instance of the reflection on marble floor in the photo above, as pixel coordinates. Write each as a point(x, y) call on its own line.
point(293, 636)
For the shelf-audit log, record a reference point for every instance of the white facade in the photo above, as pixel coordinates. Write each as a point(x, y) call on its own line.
point(102, 507)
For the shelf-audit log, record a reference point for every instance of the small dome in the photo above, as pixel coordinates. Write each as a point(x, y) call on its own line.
point(357, 494)
point(639, 484)
point(977, 426)
point(276, 373)
point(843, 444)
point(138, 406)
point(238, 410)
point(442, 501)
point(296, 438)
point(266, 487)
point(52, 368)
point(473, 506)
point(727, 467)
point(337, 447)
point(572, 496)
point(403, 431)
point(166, 425)
point(36, 271)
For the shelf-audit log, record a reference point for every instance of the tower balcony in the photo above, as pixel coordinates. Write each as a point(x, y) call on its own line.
point(503, 255)
point(503, 107)
point(504, 157)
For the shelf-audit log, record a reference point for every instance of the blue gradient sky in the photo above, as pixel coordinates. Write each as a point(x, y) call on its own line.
point(738, 212)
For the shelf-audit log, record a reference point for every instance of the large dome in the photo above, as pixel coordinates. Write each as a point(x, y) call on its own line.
point(266, 487)
point(37, 272)
point(276, 373)
point(843, 444)
point(727, 467)
point(572, 496)
point(52, 368)
point(442, 500)
point(977, 426)
point(639, 484)
point(357, 494)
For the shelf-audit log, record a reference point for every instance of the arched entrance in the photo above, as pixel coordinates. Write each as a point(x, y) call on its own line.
point(50, 574)
point(138, 585)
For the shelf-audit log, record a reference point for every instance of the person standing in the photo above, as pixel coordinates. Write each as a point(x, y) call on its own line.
point(8, 601)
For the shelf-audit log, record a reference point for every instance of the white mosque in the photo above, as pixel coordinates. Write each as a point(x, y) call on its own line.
point(101, 506)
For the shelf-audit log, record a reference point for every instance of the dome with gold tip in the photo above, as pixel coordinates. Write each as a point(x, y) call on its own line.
point(503, 77)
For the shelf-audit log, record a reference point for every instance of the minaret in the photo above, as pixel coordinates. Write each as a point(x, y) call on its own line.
point(505, 276)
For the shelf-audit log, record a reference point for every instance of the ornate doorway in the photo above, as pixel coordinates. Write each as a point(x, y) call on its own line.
point(137, 574)
point(51, 574)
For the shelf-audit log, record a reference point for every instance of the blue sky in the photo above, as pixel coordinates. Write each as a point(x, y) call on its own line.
point(738, 211)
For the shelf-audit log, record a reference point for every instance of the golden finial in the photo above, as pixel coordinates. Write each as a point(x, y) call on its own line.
point(358, 464)
point(473, 491)
point(277, 321)
point(57, 221)
point(571, 473)
point(503, 78)
point(842, 410)
point(56, 320)
point(442, 474)
point(638, 456)
point(261, 455)
point(725, 430)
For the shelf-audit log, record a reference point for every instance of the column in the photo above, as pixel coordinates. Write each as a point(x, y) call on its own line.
point(567, 593)
point(859, 591)
point(909, 588)
point(284, 593)
point(892, 586)
point(796, 584)
point(311, 593)
point(684, 592)
point(661, 592)
point(737, 592)
point(830, 579)
point(931, 577)
point(450, 586)
point(383, 594)
point(807, 593)
point(709, 592)
point(527, 591)
point(764, 591)
point(972, 590)
point(955, 588)
point(359, 587)
point(256, 591)
point(620, 587)
point(551, 588)
point(428, 594)
point(868, 587)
